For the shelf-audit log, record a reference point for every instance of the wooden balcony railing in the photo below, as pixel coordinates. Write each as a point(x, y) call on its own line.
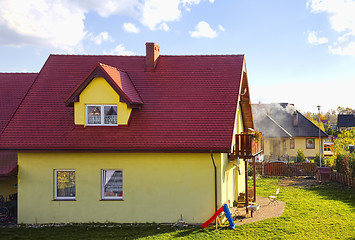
point(246, 146)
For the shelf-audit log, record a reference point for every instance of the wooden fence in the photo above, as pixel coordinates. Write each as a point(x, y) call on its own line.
point(299, 169)
point(343, 179)
point(286, 169)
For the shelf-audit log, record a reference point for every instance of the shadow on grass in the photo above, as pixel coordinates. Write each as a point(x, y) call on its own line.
point(98, 231)
point(336, 192)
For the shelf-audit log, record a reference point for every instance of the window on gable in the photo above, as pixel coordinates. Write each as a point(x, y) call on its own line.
point(101, 115)
point(64, 184)
point(112, 187)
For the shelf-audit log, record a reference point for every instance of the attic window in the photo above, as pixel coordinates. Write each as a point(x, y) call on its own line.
point(97, 115)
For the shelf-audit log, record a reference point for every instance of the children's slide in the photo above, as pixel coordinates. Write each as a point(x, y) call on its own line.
point(229, 216)
point(225, 208)
point(209, 221)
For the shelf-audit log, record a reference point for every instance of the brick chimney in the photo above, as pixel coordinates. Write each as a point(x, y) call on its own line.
point(152, 55)
point(295, 119)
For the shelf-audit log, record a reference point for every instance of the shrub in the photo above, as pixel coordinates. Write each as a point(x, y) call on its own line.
point(317, 160)
point(345, 163)
point(300, 156)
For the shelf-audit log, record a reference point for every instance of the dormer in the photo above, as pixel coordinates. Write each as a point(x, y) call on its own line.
point(105, 97)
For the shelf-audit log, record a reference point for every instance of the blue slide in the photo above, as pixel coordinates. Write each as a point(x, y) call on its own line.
point(229, 216)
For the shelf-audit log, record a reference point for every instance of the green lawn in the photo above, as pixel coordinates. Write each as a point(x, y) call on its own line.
point(324, 211)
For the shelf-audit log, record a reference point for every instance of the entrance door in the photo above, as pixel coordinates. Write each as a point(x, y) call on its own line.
point(276, 149)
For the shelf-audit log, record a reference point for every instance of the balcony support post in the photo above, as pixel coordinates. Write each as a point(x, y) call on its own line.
point(254, 178)
point(246, 186)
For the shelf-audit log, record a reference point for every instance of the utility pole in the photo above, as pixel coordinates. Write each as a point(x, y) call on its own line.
point(320, 143)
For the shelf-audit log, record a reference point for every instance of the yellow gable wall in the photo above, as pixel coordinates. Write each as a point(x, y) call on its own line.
point(232, 180)
point(100, 92)
point(240, 125)
point(300, 143)
point(156, 187)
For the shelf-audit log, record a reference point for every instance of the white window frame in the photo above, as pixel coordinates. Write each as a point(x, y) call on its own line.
point(102, 108)
point(103, 197)
point(56, 197)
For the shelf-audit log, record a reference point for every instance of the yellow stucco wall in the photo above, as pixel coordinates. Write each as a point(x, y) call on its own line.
point(100, 92)
point(300, 143)
point(8, 186)
point(156, 187)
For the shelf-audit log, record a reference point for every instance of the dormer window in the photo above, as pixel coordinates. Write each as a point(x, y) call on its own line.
point(98, 115)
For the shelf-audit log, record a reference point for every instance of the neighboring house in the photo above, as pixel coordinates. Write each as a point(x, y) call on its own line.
point(346, 121)
point(285, 130)
point(130, 138)
point(13, 88)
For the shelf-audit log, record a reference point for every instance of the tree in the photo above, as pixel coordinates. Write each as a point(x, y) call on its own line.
point(317, 159)
point(329, 130)
point(343, 110)
point(344, 139)
point(300, 156)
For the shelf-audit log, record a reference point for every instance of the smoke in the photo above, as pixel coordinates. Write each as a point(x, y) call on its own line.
point(273, 119)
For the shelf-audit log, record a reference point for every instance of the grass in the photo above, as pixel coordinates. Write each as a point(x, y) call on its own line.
point(324, 211)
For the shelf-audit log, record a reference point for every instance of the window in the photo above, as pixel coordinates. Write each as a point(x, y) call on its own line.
point(112, 187)
point(292, 143)
point(64, 184)
point(101, 115)
point(310, 143)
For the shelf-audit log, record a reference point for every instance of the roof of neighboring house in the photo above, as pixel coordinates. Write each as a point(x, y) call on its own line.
point(189, 104)
point(346, 120)
point(8, 163)
point(13, 88)
point(277, 121)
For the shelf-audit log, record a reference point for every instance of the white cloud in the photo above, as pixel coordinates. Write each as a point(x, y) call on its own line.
point(101, 37)
point(313, 39)
point(345, 45)
point(109, 7)
point(203, 29)
point(60, 24)
point(130, 27)
point(221, 28)
point(342, 20)
point(119, 50)
point(41, 22)
point(155, 12)
point(164, 27)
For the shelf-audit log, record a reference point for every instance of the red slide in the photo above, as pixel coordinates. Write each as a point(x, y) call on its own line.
point(208, 222)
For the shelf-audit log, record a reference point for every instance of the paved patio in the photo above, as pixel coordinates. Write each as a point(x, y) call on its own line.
point(265, 211)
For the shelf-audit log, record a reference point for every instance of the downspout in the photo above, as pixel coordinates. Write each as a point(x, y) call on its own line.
point(215, 182)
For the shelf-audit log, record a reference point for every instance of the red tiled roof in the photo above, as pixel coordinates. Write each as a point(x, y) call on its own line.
point(13, 88)
point(119, 81)
point(189, 105)
point(8, 163)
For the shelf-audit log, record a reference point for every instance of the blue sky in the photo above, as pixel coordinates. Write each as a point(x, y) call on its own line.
point(297, 51)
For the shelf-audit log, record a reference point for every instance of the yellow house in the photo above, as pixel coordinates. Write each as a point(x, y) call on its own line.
point(130, 138)
point(285, 131)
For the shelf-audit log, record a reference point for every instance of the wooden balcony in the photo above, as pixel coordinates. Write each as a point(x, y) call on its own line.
point(245, 146)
